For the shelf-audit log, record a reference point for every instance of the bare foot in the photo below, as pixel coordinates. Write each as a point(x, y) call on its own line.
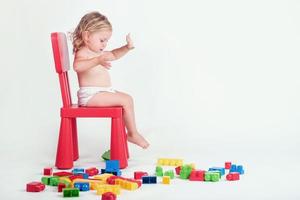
point(138, 139)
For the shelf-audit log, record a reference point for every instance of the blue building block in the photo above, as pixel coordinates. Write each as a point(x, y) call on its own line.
point(233, 168)
point(149, 179)
point(82, 186)
point(112, 164)
point(220, 169)
point(114, 172)
point(240, 169)
point(77, 170)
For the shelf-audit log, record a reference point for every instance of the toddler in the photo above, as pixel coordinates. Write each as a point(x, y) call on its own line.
point(92, 62)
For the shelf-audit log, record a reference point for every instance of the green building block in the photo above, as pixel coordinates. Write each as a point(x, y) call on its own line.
point(159, 171)
point(54, 181)
point(212, 176)
point(71, 192)
point(185, 171)
point(46, 180)
point(169, 173)
point(106, 155)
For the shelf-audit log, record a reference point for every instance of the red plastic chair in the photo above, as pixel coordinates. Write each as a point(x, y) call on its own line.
point(67, 149)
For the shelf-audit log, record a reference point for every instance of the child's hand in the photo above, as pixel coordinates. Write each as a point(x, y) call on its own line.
point(102, 60)
point(129, 42)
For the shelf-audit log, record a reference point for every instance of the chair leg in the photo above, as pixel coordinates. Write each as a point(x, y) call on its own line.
point(75, 139)
point(117, 145)
point(64, 154)
point(125, 138)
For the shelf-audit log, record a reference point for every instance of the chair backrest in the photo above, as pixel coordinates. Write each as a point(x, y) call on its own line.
point(62, 65)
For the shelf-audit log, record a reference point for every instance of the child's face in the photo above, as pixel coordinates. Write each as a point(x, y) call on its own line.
point(97, 41)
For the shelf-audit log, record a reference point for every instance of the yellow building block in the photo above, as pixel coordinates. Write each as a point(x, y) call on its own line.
point(170, 162)
point(166, 179)
point(127, 185)
point(101, 189)
point(102, 177)
point(65, 179)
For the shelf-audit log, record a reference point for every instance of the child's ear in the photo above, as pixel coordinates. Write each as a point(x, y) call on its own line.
point(85, 36)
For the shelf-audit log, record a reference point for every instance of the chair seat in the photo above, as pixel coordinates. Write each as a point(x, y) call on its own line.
point(78, 111)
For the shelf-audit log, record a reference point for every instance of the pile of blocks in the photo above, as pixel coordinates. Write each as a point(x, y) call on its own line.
point(109, 181)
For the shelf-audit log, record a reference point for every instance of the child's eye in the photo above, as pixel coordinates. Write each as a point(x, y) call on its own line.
point(101, 40)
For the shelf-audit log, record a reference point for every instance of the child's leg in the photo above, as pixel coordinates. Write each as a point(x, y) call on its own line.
point(126, 101)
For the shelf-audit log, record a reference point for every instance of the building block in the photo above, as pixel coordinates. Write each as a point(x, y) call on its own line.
point(60, 187)
point(233, 168)
point(77, 176)
point(120, 180)
point(102, 177)
point(185, 171)
point(47, 171)
point(197, 175)
point(212, 176)
point(71, 192)
point(192, 165)
point(159, 171)
point(139, 174)
point(103, 188)
point(53, 181)
point(126, 184)
point(82, 186)
point(169, 162)
point(108, 196)
point(62, 173)
point(65, 180)
point(35, 187)
point(240, 169)
point(177, 170)
point(115, 172)
point(112, 164)
point(77, 171)
point(92, 182)
point(149, 179)
point(220, 169)
point(227, 165)
point(106, 155)
point(166, 179)
point(92, 171)
point(45, 180)
point(169, 173)
point(233, 176)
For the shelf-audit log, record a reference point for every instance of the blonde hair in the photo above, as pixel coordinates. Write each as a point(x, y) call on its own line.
point(91, 22)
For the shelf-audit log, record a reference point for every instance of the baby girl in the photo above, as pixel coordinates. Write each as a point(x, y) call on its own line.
point(92, 62)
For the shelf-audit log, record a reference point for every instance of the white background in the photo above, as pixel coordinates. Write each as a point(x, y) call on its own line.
point(212, 81)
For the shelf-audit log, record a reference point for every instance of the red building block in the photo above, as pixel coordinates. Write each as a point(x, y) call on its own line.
point(48, 171)
point(178, 169)
point(108, 196)
point(35, 187)
point(233, 176)
point(75, 177)
point(92, 171)
point(227, 165)
point(197, 175)
point(62, 173)
point(60, 187)
point(139, 174)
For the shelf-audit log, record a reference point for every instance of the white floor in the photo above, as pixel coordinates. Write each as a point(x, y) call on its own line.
point(271, 167)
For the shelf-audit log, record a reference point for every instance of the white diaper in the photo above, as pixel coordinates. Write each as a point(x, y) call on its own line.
point(84, 94)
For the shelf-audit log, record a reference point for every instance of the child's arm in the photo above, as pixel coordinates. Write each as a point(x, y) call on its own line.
point(119, 52)
point(81, 63)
